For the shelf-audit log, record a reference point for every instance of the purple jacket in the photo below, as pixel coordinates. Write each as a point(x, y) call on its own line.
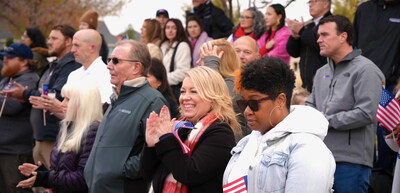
point(196, 48)
point(66, 170)
point(279, 49)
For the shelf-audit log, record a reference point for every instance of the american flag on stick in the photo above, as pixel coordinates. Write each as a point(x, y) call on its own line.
point(237, 186)
point(388, 110)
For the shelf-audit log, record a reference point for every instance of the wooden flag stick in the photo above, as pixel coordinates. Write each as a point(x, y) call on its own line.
point(2, 106)
point(5, 96)
point(44, 117)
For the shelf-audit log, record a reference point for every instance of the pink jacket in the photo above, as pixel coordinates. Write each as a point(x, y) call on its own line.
point(196, 48)
point(279, 49)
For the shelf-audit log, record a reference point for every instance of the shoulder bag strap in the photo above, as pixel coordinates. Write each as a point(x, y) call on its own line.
point(172, 64)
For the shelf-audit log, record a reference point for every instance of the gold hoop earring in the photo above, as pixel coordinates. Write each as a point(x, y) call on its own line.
point(270, 114)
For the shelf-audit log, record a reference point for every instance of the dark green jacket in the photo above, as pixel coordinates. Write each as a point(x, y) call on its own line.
point(114, 163)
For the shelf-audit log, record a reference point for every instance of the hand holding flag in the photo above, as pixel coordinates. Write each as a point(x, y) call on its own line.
point(388, 111)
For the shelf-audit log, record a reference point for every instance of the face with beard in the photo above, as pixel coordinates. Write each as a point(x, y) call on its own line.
point(12, 66)
point(56, 43)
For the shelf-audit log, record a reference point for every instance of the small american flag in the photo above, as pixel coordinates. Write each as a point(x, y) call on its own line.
point(237, 186)
point(388, 110)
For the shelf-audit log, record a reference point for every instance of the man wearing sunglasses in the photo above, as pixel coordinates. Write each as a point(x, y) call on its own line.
point(16, 131)
point(347, 91)
point(86, 46)
point(114, 163)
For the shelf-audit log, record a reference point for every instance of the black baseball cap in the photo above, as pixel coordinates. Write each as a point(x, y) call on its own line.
point(18, 50)
point(162, 11)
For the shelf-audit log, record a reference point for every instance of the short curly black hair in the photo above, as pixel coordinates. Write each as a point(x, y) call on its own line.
point(270, 76)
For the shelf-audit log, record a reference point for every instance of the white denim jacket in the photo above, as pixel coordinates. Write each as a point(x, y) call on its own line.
point(294, 158)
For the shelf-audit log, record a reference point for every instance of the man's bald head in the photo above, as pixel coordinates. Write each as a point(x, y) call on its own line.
point(86, 46)
point(247, 49)
point(90, 36)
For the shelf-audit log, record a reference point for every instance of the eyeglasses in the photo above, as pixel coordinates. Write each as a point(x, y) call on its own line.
point(117, 60)
point(245, 17)
point(253, 104)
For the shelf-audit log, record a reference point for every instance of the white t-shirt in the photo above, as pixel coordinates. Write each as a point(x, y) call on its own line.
point(98, 74)
point(250, 154)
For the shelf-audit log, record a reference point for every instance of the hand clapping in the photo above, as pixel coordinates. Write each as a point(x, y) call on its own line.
point(158, 125)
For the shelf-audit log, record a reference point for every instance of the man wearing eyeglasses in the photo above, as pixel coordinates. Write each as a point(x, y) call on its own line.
point(86, 46)
point(114, 163)
point(347, 91)
point(303, 41)
point(16, 131)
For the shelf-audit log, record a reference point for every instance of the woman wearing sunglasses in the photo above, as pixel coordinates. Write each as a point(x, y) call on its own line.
point(285, 151)
point(190, 155)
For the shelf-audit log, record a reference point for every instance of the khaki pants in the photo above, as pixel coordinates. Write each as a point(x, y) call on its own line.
point(41, 152)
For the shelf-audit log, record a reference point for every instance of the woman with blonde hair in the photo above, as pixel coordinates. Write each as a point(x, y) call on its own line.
point(83, 113)
point(189, 155)
point(151, 36)
point(221, 56)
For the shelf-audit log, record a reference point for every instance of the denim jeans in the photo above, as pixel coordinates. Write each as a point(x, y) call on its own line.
point(351, 178)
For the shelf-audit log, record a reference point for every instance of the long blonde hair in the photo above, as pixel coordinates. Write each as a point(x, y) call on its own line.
point(230, 61)
point(211, 87)
point(84, 108)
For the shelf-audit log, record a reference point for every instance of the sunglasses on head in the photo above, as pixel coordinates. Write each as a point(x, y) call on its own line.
point(253, 104)
point(117, 60)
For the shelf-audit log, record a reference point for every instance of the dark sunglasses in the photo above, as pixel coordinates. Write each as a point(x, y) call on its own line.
point(253, 104)
point(117, 60)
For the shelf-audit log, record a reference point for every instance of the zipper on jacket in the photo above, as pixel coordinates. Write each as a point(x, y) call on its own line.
point(331, 90)
point(349, 137)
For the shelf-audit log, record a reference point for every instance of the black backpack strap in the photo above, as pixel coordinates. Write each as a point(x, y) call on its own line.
point(172, 64)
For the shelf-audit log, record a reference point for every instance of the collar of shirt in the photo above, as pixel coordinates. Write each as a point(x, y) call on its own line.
point(316, 20)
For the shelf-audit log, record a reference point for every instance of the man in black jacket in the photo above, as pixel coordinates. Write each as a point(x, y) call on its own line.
point(213, 19)
point(56, 75)
point(303, 41)
point(377, 34)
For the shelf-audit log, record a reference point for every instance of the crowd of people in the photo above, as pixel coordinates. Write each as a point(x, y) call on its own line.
point(205, 107)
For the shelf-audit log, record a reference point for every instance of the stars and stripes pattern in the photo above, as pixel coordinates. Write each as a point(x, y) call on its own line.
point(237, 186)
point(388, 110)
